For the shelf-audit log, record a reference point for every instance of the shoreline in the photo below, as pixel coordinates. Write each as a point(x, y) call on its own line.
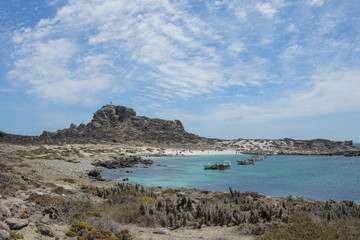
point(54, 167)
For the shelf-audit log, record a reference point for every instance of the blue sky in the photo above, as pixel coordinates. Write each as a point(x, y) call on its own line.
point(227, 69)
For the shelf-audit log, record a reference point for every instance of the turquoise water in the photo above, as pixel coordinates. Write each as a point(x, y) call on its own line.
point(315, 177)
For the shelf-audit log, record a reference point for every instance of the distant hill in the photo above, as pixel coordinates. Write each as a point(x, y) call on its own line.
point(120, 125)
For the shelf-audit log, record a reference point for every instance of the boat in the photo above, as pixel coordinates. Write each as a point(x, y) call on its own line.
point(225, 165)
point(210, 166)
point(257, 158)
point(245, 162)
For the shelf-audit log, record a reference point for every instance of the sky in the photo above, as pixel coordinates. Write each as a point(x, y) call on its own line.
point(227, 68)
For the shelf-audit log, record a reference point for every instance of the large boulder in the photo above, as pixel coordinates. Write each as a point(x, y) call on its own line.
point(3, 226)
point(110, 114)
point(16, 223)
point(4, 211)
point(4, 235)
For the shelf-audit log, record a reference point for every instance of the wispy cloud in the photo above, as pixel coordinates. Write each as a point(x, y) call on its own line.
point(331, 92)
point(162, 52)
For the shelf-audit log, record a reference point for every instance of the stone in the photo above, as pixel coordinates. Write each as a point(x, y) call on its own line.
point(4, 235)
point(4, 211)
point(162, 232)
point(3, 226)
point(45, 230)
point(96, 175)
point(16, 223)
point(45, 219)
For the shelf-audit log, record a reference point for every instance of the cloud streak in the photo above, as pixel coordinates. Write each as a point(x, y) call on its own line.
point(262, 60)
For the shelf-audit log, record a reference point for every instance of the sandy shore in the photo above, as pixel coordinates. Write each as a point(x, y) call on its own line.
point(177, 152)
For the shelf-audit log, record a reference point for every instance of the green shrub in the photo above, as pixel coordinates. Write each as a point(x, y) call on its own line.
point(81, 216)
point(79, 229)
point(98, 235)
point(124, 234)
point(170, 191)
point(147, 200)
point(15, 235)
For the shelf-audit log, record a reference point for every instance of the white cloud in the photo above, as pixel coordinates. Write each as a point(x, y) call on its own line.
point(164, 47)
point(317, 3)
point(331, 93)
point(171, 48)
point(237, 47)
point(291, 28)
point(266, 9)
point(293, 51)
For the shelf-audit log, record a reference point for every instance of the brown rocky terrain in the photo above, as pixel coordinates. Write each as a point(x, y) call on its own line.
point(120, 125)
point(46, 193)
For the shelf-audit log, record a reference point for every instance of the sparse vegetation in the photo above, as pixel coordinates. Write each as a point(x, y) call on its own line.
point(170, 191)
point(306, 226)
point(10, 183)
point(15, 235)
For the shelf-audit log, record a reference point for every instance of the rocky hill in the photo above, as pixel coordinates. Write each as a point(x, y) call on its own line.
point(116, 124)
point(121, 125)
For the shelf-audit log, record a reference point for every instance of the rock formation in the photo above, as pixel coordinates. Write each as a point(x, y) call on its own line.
point(118, 124)
point(112, 124)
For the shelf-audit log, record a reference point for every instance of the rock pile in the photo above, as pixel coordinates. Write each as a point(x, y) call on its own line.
point(121, 162)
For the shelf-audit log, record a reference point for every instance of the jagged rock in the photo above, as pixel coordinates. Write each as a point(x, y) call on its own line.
point(16, 223)
point(4, 235)
point(114, 124)
point(121, 162)
point(96, 175)
point(110, 113)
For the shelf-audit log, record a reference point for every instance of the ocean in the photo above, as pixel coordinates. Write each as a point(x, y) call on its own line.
point(312, 177)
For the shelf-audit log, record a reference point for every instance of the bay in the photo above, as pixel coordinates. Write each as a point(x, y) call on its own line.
point(314, 177)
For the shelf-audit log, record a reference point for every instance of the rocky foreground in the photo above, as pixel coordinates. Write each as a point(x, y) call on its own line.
point(46, 192)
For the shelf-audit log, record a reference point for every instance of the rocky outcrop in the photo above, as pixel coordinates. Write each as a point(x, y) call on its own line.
point(288, 146)
point(111, 114)
point(121, 162)
point(119, 124)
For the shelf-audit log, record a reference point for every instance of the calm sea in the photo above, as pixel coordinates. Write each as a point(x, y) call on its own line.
point(315, 177)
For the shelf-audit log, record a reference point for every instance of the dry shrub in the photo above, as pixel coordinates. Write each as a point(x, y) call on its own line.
point(10, 183)
point(305, 226)
point(124, 235)
point(47, 200)
point(170, 191)
point(147, 221)
point(98, 235)
point(123, 213)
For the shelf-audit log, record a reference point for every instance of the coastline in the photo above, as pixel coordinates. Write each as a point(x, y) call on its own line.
point(50, 167)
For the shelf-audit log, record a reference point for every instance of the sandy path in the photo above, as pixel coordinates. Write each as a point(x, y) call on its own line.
point(209, 233)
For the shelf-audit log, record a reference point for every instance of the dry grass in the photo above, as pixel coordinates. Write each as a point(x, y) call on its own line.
point(305, 226)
